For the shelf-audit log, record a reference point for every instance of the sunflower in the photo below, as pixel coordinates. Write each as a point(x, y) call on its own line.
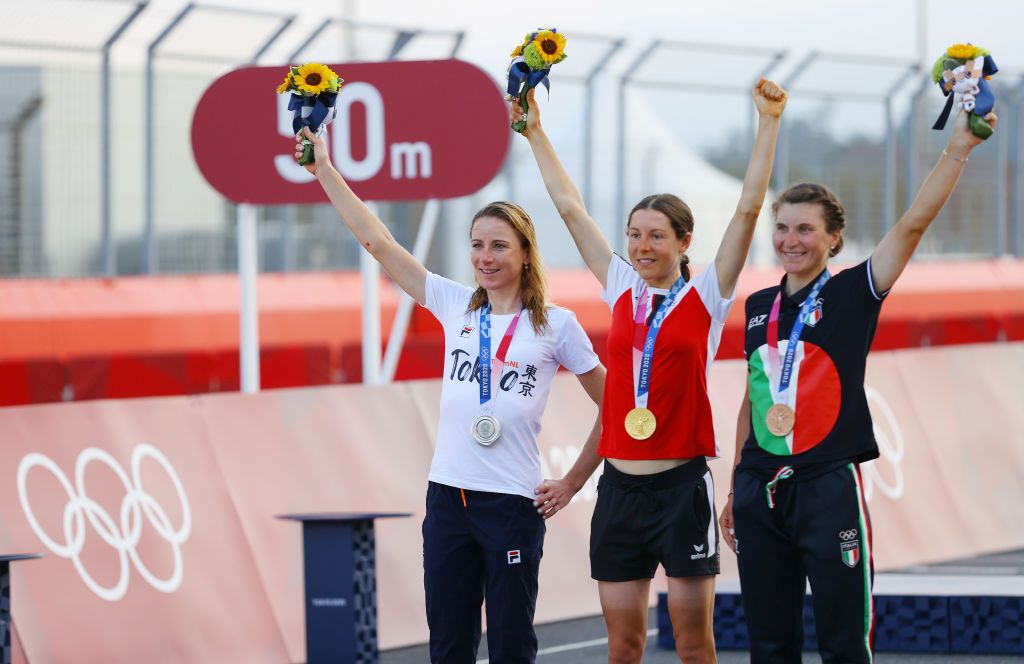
point(550, 46)
point(286, 86)
point(313, 78)
point(962, 51)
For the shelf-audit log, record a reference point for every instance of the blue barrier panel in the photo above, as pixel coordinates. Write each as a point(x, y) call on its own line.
point(341, 586)
point(903, 623)
point(5, 603)
point(665, 637)
point(730, 626)
point(912, 623)
point(986, 624)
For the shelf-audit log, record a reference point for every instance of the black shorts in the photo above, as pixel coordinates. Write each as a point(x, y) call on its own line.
point(642, 520)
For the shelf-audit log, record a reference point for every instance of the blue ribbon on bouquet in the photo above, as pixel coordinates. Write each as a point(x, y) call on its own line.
point(519, 72)
point(984, 101)
point(321, 108)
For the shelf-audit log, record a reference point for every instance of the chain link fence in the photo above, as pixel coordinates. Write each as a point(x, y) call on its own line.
point(75, 203)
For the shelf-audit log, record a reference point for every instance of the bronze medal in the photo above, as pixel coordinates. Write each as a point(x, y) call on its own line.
point(780, 419)
point(640, 423)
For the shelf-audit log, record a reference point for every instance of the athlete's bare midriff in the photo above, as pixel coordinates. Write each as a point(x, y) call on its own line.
point(647, 466)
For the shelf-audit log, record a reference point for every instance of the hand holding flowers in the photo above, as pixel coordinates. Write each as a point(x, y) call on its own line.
point(314, 89)
point(531, 63)
point(962, 73)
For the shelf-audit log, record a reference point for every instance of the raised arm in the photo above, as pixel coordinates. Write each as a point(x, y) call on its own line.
point(770, 100)
point(893, 253)
point(371, 232)
point(593, 246)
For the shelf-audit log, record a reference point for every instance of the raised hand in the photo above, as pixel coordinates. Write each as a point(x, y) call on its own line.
point(319, 149)
point(516, 112)
point(769, 98)
point(962, 136)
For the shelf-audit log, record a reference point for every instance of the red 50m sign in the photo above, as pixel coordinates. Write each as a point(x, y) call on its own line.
point(404, 131)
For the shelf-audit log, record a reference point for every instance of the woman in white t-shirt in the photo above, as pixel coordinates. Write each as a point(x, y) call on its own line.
point(482, 537)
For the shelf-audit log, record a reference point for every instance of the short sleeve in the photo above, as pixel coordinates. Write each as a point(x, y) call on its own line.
point(445, 297)
point(621, 277)
point(573, 347)
point(746, 322)
point(857, 288)
point(706, 285)
point(871, 283)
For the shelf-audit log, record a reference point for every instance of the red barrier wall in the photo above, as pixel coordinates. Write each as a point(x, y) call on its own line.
point(127, 337)
point(948, 421)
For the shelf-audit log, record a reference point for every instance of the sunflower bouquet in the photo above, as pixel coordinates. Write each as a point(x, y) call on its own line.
point(531, 62)
point(963, 72)
point(314, 89)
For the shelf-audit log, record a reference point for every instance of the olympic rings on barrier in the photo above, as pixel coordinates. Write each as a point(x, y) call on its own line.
point(122, 535)
point(891, 449)
point(847, 535)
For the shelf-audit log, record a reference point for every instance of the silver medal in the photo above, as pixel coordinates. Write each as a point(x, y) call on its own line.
point(485, 430)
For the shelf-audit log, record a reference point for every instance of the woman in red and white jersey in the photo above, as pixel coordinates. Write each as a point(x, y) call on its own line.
point(655, 498)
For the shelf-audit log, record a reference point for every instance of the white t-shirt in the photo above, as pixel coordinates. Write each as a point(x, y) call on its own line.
point(512, 464)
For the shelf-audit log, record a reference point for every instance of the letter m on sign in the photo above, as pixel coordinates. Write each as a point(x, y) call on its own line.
point(415, 157)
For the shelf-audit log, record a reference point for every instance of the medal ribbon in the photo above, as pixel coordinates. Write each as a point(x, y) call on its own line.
point(642, 356)
point(485, 351)
point(794, 337)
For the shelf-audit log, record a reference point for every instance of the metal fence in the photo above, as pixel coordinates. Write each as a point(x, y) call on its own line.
point(96, 174)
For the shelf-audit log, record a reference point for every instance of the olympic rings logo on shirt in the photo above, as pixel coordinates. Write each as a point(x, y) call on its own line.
point(123, 534)
point(847, 535)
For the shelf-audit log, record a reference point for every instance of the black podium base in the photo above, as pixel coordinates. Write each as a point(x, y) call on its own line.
point(6, 626)
point(340, 570)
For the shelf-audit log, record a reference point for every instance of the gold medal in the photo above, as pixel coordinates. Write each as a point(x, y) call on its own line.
point(780, 419)
point(640, 423)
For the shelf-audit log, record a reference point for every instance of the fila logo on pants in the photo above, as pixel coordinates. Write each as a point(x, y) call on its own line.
point(513, 557)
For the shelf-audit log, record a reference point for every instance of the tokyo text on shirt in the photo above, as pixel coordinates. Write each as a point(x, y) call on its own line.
point(520, 390)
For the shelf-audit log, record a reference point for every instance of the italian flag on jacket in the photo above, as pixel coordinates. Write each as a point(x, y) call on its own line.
point(814, 393)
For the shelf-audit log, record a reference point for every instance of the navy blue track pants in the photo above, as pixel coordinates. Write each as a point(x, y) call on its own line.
point(481, 546)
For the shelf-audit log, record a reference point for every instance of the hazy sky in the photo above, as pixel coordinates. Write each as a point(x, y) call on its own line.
point(880, 27)
point(891, 32)
point(894, 31)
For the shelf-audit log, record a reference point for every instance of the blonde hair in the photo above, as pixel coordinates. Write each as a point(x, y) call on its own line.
point(532, 288)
